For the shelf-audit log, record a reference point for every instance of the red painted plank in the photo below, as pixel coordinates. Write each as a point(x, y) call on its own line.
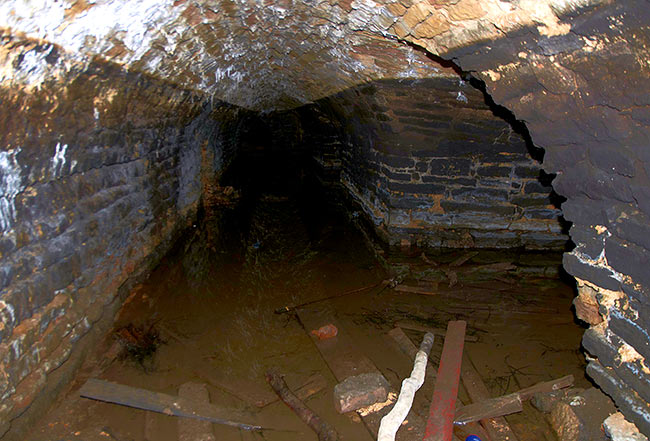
point(440, 425)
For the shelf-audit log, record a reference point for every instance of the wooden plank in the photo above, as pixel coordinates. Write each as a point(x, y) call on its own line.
point(435, 331)
point(259, 395)
point(340, 353)
point(408, 348)
point(416, 290)
point(546, 386)
point(462, 259)
point(443, 404)
point(191, 429)
point(158, 426)
point(507, 404)
point(497, 428)
point(491, 408)
point(168, 404)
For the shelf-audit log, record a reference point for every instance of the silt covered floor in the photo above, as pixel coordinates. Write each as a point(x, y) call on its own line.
point(210, 311)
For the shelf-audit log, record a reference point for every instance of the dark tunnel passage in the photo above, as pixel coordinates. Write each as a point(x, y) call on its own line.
point(201, 201)
point(368, 213)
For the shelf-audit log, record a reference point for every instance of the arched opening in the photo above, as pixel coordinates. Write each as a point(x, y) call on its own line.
point(253, 163)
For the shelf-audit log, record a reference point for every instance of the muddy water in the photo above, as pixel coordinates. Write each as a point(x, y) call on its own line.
point(212, 303)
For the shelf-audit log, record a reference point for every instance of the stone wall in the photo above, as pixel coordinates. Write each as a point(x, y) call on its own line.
point(100, 172)
point(430, 163)
point(585, 98)
point(574, 70)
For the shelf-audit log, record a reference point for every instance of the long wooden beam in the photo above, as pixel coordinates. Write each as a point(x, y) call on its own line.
point(168, 404)
point(506, 404)
point(440, 425)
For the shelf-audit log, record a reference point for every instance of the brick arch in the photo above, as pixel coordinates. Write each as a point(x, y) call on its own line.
point(574, 71)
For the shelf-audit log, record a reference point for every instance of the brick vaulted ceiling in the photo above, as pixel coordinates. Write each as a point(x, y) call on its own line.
point(262, 54)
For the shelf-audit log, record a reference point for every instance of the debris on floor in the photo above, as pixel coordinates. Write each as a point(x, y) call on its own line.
point(162, 403)
point(139, 343)
point(619, 429)
point(406, 346)
point(324, 430)
point(286, 309)
point(511, 403)
point(544, 401)
point(325, 332)
point(347, 360)
point(581, 417)
point(223, 333)
point(359, 391)
point(490, 408)
point(391, 422)
point(312, 386)
point(497, 427)
point(379, 406)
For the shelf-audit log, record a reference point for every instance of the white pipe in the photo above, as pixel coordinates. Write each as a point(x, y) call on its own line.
point(394, 419)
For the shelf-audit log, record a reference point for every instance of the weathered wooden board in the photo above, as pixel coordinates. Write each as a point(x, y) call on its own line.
point(507, 404)
point(490, 408)
point(168, 404)
point(440, 425)
point(191, 429)
point(340, 353)
point(427, 291)
point(497, 428)
point(546, 386)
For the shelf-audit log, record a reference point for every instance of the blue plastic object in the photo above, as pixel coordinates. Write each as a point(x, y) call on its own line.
point(472, 438)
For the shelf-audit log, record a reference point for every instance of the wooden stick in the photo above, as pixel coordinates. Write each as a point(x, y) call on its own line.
point(286, 309)
point(324, 431)
point(440, 425)
point(494, 407)
point(312, 386)
point(162, 403)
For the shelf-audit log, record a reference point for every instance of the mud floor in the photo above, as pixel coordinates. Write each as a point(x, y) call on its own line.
point(209, 311)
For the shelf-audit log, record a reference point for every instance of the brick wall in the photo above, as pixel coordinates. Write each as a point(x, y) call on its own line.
point(576, 72)
point(584, 95)
point(100, 172)
point(431, 164)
